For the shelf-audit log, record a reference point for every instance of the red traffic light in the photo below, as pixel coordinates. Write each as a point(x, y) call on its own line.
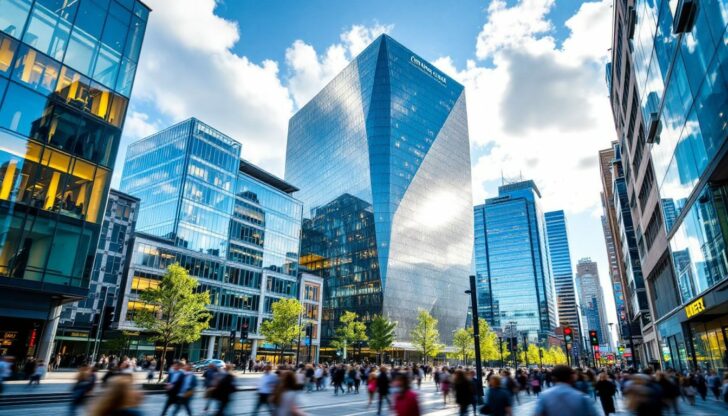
point(567, 331)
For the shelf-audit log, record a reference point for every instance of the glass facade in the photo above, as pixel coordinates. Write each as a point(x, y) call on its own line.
point(563, 273)
point(514, 277)
point(233, 226)
point(66, 72)
point(382, 158)
point(591, 299)
point(682, 75)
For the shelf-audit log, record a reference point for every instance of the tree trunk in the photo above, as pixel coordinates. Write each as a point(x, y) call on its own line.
point(161, 361)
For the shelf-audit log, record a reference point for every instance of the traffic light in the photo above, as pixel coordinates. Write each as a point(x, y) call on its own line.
point(621, 350)
point(244, 332)
point(593, 339)
point(568, 335)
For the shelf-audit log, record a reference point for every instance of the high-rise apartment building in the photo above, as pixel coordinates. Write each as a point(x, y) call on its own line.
point(513, 273)
point(670, 93)
point(66, 74)
point(563, 273)
point(591, 298)
point(382, 158)
point(232, 225)
point(82, 323)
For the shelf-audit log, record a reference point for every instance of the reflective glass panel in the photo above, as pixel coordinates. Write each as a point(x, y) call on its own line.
point(13, 16)
point(47, 32)
point(36, 70)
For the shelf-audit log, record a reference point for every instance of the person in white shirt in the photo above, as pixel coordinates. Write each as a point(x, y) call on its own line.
point(266, 386)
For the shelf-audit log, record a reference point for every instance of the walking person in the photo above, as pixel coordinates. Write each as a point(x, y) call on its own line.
point(605, 390)
point(284, 397)
point(463, 392)
point(498, 401)
point(266, 387)
point(371, 386)
point(6, 369)
point(119, 399)
point(445, 384)
point(224, 387)
point(209, 378)
point(563, 399)
point(172, 385)
point(714, 384)
point(38, 373)
point(701, 385)
point(383, 388)
point(85, 382)
point(188, 384)
point(405, 400)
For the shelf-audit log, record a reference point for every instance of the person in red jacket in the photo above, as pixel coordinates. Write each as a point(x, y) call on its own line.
point(405, 401)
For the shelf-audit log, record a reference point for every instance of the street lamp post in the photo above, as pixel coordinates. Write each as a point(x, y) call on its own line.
point(476, 336)
point(500, 347)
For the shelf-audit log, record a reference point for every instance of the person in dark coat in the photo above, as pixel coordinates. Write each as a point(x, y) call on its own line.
point(463, 392)
point(383, 388)
point(498, 400)
point(223, 389)
point(606, 390)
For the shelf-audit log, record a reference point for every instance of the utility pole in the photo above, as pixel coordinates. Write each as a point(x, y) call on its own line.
point(500, 347)
point(476, 337)
point(525, 348)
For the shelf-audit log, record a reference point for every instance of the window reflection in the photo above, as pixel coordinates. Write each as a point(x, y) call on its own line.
point(36, 70)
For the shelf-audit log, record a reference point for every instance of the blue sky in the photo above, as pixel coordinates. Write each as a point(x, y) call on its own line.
point(533, 72)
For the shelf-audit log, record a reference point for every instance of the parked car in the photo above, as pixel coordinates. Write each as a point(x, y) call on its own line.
point(202, 365)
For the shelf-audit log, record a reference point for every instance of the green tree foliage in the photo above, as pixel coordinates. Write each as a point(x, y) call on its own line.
point(350, 331)
point(174, 313)
point(381, 334)
point(426, 336)
point(488, 341)
point(463, 341)
point(283, 329)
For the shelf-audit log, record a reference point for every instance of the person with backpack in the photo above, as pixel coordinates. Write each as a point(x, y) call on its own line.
point(85, 382)
point(224, 387)
point(383, 388)
point(536, 383)
point(172, 386)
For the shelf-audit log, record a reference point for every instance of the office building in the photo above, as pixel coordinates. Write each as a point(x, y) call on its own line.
point(311, 297)
point(680, 89)
point(515, 285)
point(233, 226)
point(66, 74)
point(382, 158)
point(83, 324)
point(591, 298)
point(567, 304)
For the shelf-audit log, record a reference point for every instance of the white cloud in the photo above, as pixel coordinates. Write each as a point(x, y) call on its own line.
point(536, 108)
point(188, 68)
point(310, 72)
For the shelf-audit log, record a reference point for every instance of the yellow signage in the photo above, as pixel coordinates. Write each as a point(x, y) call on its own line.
point(696, 307)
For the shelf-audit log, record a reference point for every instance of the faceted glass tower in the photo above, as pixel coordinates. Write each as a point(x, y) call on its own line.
point(382, 158)
point(513, 273)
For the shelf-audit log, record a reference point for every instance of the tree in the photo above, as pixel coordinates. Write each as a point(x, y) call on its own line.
point(174, 313)
point(463, 341)
point(557, 355)
point(381, 334)
point(488, 341)
point(532, 354)
point(350, 332)
point(426, 336)
point(283, 329)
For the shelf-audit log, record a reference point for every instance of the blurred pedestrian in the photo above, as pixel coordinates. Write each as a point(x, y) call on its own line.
point(284, 397)
point(266, 387)
point(371, 386)
point(172, 386)
point(38, 373)
point(6, 369)
point(383, 388)
point(119, 399)
point(605, 390)
point(405, 400)
point(714, 384)
point(498, 401)
point(463, 391)
point(563, 399)
point(224, 387)
point(188, 383)
point(209, 378)
point(81, 391)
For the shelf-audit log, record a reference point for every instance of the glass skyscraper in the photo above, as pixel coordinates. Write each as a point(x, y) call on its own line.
point(382, 158)
point(66, 74)
point(681, 74)
point(563, 273)
point(514, 279)
point(591, 298)
point(233, 226)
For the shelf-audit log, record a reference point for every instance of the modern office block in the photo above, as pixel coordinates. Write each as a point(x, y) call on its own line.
point(232, 225)
point(591, 299)
point(563, 274)
point(515, 284)
point(83, 324)
point(382, 158)
point(66, 74)
point(680, 65)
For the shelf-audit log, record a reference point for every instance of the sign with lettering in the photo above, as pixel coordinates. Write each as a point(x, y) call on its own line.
point(694, 308)
point(428, 70)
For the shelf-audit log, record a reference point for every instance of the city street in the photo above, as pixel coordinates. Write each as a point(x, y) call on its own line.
point(325, 403)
